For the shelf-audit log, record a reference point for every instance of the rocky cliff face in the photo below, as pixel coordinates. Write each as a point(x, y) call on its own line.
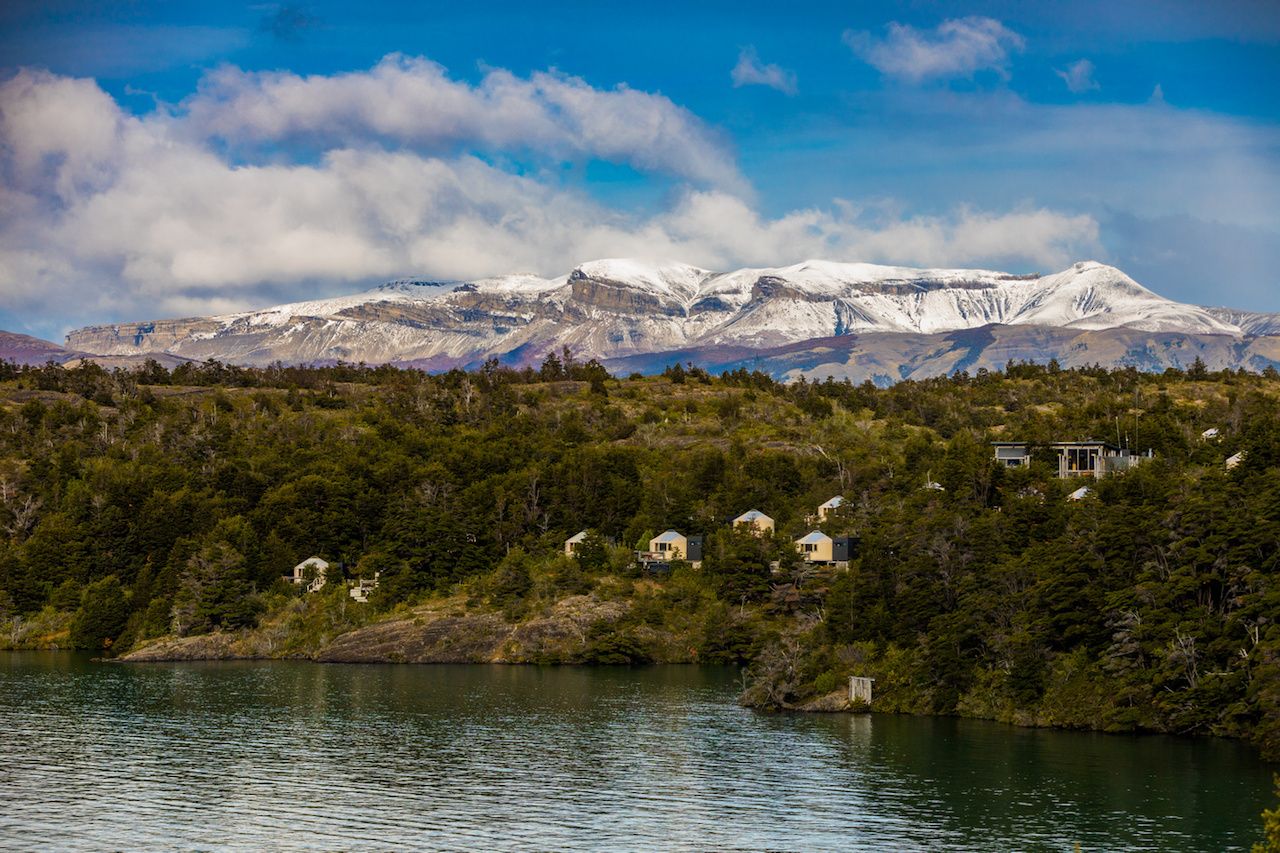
point(145, 337)
point(635, 312)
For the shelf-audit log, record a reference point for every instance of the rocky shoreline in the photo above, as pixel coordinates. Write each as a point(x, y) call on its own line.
point(578, 629)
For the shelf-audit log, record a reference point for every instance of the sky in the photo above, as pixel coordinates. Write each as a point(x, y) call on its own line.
point(169, 159)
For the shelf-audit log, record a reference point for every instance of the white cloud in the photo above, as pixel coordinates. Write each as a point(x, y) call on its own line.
point(412, 102)
point(958, 47)
point(1078, 76)
point(105, 216)
point(750, 72)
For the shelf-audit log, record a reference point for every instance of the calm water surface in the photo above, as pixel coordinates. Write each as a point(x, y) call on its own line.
point(297, 756)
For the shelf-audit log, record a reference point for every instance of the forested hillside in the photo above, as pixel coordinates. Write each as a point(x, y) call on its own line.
point(141, 504)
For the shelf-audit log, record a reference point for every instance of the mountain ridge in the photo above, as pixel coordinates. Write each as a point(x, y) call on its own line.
point(619, 309)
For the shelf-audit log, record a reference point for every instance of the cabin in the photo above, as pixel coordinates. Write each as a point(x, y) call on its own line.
point(1094, 459)
point(1234, 460)
point(820, 549)
point(311, 571)
point(1012, 454)
point(829, 507)
point(756, 520)
point(669, 546)
point(816, 547)
point(571, 544)
point(1211, 434)
point(1080, 494)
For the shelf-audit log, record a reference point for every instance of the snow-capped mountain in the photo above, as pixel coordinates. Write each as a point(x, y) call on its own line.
point(611, 309)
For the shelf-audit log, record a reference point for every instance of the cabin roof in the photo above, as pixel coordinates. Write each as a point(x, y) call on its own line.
point(1082, 492)
point(813, 538)
point(577, 537)
point(668, 536)
point(752, 515)
point(834, 502)
point(1088, 442)
point(312, 561)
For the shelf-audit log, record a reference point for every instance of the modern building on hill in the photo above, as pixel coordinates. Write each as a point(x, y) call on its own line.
point(312, 571)
point(1094, 458)
point(756, 520)
point(1012, 454)
point(829, 507)
point(571, 544)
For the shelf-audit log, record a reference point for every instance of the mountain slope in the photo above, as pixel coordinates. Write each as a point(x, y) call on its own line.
point(1249, 322)
point(24, 349)
point(618, 309)
point(887, 357)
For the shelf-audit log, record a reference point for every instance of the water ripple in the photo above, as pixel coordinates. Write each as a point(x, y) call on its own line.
point(293, 756)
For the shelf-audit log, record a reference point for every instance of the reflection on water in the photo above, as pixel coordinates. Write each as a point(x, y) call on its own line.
point(303, 756)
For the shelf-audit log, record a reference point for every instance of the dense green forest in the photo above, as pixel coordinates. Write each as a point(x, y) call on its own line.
point(137, 504)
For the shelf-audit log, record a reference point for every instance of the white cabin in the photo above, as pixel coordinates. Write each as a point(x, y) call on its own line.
point(571, 544)
point(670, 544)
point(829, 507)
point(756, 520)
point(314, 568)
point(816, 547)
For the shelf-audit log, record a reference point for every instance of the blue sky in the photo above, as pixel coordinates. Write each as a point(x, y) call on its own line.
point(180, 158)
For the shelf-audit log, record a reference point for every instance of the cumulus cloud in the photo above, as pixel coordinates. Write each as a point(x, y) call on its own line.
point(412, 102)
point(1078, 76)
point(751, 72)
point(104, 215)
point(958, 47)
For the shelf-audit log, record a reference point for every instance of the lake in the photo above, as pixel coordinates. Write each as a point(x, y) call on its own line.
point(301, 756)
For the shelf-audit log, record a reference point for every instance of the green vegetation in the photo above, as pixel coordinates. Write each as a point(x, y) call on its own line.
point(145, 504)
point(1270, 827)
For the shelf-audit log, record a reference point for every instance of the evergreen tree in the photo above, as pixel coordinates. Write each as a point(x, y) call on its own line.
point(103, 614)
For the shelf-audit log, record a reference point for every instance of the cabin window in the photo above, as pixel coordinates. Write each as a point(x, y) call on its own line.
point(1081, 459)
